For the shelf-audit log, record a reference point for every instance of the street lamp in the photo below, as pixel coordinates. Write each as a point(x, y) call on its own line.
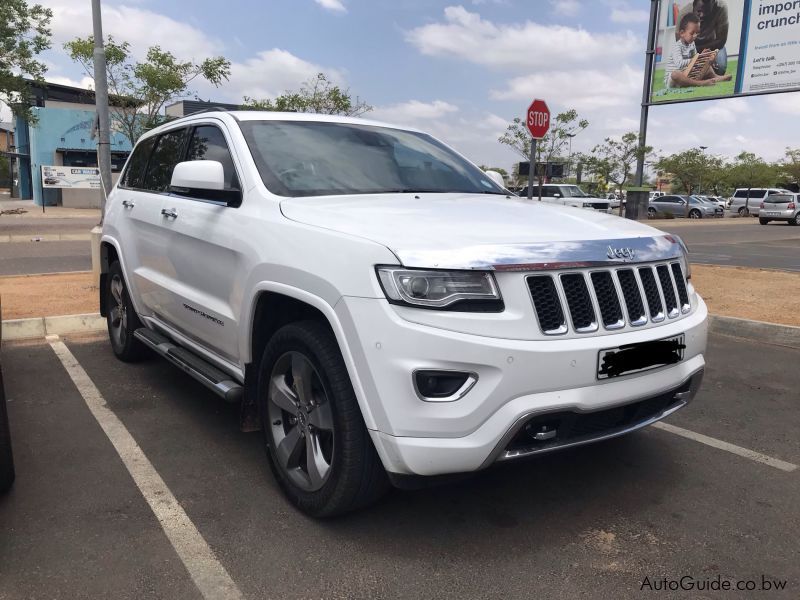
point(700, 185)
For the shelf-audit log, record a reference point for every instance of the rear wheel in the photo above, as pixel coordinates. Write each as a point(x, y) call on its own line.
point(318, 446)
point(743, 212)
point(695, 214)
point(121, 318)
point(651, 212)
point(796, 220)
point(763, 221)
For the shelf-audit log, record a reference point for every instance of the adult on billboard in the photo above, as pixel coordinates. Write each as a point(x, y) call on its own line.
point(714, 26)
point(687, 67)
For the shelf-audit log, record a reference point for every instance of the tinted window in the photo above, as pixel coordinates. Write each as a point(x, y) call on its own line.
point(670, 199)
point(740, 194)
point(779, 198)
point(138, 164)
point(168, 152)
point(298, 158)
point(757, 193)
point(208, 143)
point(550, 191)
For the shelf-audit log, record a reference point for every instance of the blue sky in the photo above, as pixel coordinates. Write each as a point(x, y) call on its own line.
point(460, 70)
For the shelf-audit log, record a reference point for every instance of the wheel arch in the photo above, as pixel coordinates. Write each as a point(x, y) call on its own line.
point(274, 305)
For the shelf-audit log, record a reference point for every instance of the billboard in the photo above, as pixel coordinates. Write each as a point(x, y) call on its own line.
point(724, 48)
point(84, 178)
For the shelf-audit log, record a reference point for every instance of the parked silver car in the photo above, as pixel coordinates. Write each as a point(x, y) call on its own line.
point(677, 207)
point(748, 201)
point(780, 207)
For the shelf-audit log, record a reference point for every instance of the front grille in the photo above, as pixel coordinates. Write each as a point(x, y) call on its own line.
point(599, 205)
point(648, 294)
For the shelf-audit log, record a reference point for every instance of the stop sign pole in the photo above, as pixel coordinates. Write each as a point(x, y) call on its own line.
point(538, 123)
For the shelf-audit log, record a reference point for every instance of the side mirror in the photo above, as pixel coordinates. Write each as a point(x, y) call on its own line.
point(204, 180)
point(496, 178)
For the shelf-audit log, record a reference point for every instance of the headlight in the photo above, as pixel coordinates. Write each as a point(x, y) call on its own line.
point(687, 266)
point(467, 291)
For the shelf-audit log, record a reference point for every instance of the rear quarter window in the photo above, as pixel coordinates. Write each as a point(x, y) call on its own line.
point(137, 165)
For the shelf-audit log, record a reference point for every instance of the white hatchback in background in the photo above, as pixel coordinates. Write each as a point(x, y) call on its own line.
point(746, 201)
point(381, 308)
point(571, 195)
point(780, 207)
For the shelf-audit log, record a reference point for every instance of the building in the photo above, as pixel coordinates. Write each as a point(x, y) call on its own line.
point(63, 135)
point(6, 154)
point(179, 109)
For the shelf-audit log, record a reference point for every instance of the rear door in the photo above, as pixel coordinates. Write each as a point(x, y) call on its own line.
point(204, 251)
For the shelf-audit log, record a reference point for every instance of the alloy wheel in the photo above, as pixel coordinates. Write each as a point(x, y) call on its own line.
point(118, 312)
point(301, 417)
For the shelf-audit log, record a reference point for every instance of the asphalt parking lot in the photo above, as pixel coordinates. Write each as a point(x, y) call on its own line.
point(739, 242)
point(600, 521)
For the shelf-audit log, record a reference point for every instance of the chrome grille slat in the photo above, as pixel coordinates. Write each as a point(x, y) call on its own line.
point(617, 297)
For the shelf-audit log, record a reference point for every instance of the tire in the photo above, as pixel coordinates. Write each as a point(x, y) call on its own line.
point(6, 455)
point(743, 212)
point(121, 318)
point(763, 221)
point(795, 221)
point(651, 212)
point(317, 444)
point(695, 214)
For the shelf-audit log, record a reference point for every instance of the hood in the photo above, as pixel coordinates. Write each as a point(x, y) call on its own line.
point(471, 231)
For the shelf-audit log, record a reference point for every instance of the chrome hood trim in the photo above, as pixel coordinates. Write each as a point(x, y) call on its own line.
point(547, 256)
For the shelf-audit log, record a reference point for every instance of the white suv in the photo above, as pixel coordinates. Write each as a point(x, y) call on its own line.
point(382, 308)
point(570, 195)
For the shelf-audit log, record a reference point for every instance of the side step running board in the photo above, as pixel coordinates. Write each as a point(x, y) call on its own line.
point(218, 382)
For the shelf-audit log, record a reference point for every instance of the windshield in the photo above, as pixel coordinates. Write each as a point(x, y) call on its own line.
point(573, 191)
point(308, 158)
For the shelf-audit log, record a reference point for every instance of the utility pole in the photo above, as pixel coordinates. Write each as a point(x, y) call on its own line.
point(101, 103)
point(103, 134)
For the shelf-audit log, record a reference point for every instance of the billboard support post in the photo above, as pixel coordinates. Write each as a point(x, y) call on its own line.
point(639, 200)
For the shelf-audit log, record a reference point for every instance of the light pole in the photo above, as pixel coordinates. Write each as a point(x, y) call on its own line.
point(702, 166)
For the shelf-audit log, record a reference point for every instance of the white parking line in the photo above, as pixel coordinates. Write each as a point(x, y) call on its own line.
point(738, 450)
point(206, 571)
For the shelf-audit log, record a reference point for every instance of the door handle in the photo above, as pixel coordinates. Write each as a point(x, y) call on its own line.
point(169, 212)
point(128, 204)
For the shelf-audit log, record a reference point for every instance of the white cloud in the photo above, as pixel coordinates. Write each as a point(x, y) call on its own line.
point(566, 8)
point(729, 112)
point(270, 73)
point(413, 111)
point(788, 103)
point(466, 35)
point(140, 27)
point(580, 89)
point(332, 5)
point(629, 15)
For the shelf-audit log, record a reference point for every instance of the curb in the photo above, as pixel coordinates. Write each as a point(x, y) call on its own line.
point(757, 331)
point(26, 329)
point(46, 237)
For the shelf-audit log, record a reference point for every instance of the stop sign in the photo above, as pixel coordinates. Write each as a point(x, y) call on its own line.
point(538, 120)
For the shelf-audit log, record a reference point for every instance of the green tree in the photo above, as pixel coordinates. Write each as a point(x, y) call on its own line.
point(317, 95)
point(615, 159)
point(790, 165)
point(565, 126)
point(139, 90)
point(751, 171)
point(24, 34)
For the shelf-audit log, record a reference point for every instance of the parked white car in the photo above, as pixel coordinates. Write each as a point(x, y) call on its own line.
point(746, 201)
point(570, 195)
point(382, 308)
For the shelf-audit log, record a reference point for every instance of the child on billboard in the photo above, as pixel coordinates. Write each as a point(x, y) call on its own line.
point(682, 68)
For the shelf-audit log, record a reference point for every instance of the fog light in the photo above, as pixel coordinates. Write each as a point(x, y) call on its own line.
point(443, 386)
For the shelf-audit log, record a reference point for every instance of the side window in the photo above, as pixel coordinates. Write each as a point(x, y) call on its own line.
point(740, 194)
point(137, 165)
point(208, 143)
point(168, 152)
point(772, 193)
point(548, 191)
point(758, 193)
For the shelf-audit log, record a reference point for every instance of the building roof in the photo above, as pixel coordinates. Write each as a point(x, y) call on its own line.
point(6, 126)
point(41, 92)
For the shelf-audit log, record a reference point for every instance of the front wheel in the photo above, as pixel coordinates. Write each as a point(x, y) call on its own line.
point(316, 441)
point(651, 212)
point(743, 212)
point(695, 214)
point(121, 318)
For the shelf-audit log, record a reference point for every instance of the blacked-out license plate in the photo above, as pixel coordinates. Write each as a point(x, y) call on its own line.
point(635, 358)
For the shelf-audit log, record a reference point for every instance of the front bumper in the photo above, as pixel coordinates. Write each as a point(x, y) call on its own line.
point(517, 379)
